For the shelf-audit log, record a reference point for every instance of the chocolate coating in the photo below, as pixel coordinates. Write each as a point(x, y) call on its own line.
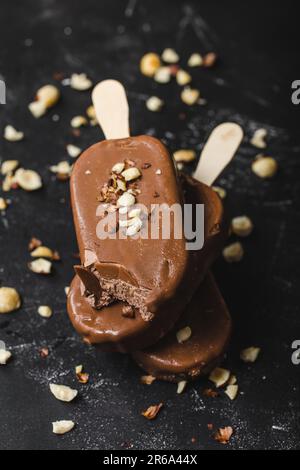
point(158, 277)
point(210, 322)
point(108, 327)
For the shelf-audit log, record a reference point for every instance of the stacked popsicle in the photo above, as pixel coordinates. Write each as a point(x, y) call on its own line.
point(135, 290)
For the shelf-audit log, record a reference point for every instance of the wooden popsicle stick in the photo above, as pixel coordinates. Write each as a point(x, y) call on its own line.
point(111, 107)
point(218, 151)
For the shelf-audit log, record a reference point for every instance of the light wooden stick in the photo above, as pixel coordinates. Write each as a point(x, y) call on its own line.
point(111, 106)
point(218, 151)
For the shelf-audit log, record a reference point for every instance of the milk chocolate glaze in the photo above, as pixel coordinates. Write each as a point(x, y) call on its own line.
point(154, 276)
point(210, 323)
point(108, 327)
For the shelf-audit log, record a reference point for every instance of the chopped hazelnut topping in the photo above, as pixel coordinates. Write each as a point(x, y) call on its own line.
point(152, 411)
point(40, 266)
point(83, 377)
point(118, 168)
point(126, 200)
point(233, 253)
point(219, 376)
point(62, 169)
point(195, 60)
point(181, 386)
point(131, 174)
point(9, 300)
point(62, 427)
point(223, 435)
point(63, 393)
point(154, 103)
point(34, 243)
point(184, 155)
point(12, 135)
point(241, 226)
point(80, 82)
point(91, 113)
point(45, 311)
point(250, 354)
point(44, 352)
point(258, 139)
point(42, 252)
point(149, 64)
point(134, 227)
point(209, 392)
point(78, 369)
point(184, 334)
point(232, 380)
point(190, 96)
point(265, 167)
point(170, 56)
point(147, 379)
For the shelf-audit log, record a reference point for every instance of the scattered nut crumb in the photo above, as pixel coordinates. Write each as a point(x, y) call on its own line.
point(63, 393)
point(184, 155)
point(3, 204)
point(250, 354)
point(183, 77)
point(190, 96)
point(195, 60)
point(170, 56)
point(9, 300)
point(154, 103)
point(209, 392)
point(149, 64)
point(9, 166)
point(34, 243)
point(181, 386)
point(62, 427)
point(184, 334)
point(67, 290)
point(264, 167)
point(147, 379)
point(44, 352)
point(91, 113)
point(241, 226)
point(162, 75)
point(210, 59)
point(232, 391)
point(152, 411)
point(62, 170)
point(220, 191)
point(126, 200)
point(233, 253)
point(223, 435)
point(78, 369)
point(83, 377)
point(28, 180)
point(78, 121)
point(40, 266)
point(42, 252)
point(12, 135)
point(73, 150)
point(48, 95)
point(37, 109)
point(118, 168)
point(4, 356)
point(158, 171)
point(258, 139)
point(80, 82)
point(219, 376)
point(232, 380)
point(45, 311)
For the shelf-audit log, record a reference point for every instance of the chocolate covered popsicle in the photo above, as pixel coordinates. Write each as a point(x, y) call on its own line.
point(179, 356)
point(160, 273)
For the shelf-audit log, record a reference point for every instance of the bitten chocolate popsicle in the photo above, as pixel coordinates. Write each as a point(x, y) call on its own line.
point(207, 321)
point(116, 326)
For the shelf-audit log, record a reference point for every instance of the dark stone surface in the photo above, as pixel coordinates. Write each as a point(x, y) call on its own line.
point(258, 52)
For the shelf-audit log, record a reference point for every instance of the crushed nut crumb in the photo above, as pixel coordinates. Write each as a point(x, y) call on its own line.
point(152, 411)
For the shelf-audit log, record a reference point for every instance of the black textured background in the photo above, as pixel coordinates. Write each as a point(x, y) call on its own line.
point(259, 51)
